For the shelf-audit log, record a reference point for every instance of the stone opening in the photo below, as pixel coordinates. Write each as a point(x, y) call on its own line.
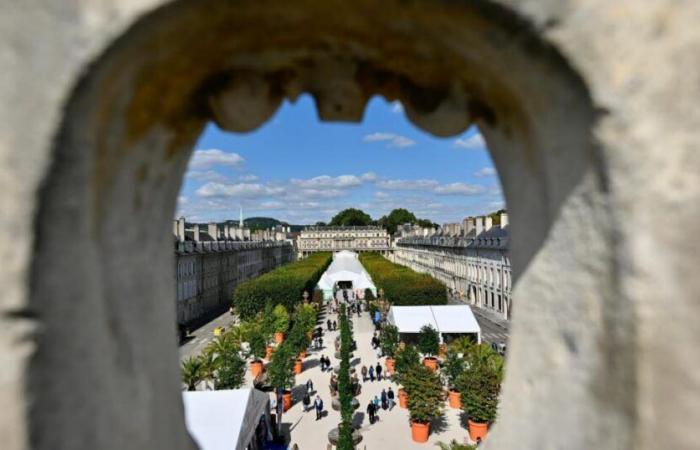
point(103, 304)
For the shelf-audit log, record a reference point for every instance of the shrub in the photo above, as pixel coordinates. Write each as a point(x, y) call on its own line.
point(297, 340)
point(192, 372)
point(280, 371)
point(425, 396)
point(403, 286)
point(281, 322)
point(305, 315)
point(257, 343)
point(389, 340)
point(284, 285)
point(429, 340)
point(344, 384)
point(453, 368)
point(405, 360)
point(480, 383)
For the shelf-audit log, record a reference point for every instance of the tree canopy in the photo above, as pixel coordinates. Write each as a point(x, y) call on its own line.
point(351, 217)
point(400, 216)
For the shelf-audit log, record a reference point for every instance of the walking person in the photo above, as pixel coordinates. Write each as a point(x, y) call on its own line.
point(370, 412)
point(385, 400)
point(390, 397)
point(335, 325)
point(371, 373)
point(378, 371)
point(364, 373)
point(376, 407)
point(306, 401)
point(309, 386)
point(328, 324)
point(318, 404)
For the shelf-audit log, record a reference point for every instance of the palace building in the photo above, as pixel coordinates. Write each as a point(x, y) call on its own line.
point(334, 239)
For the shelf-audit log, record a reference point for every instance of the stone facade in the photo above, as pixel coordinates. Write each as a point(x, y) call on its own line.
point(334, 239)
point(474, 263)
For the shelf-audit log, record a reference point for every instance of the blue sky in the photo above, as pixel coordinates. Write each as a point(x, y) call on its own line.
point(300, 170)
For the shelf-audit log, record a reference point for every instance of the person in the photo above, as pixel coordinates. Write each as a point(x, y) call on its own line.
point(375, 341)
point(320, 343)
point(335, 325)
point(376, 407)
point(384, 399)
point(318, 403)
point(328, 324)
point(309, 385)
point(378, 371)
point(379, 352)
point(370, 412)
point(364, 373)
point(371, 373)
point(390, 397)
point(306, 400)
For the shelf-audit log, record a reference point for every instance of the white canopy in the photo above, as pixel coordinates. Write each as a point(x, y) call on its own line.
point(457, 319)
point(346, 266)
point(224, 420)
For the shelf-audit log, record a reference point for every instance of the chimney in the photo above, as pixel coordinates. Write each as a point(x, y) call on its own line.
point(470, 225)
point(479, 225)
point(488, 223)
point(504, 219)
point(181, 229)
point(211, 229)
point(196, 232)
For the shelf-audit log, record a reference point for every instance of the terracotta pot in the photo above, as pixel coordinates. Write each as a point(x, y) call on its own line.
point(430, 363)
point(403, 398)
point(298, 366)
point(455, 399)
point(279, 337)
point(477, 430)
point(256, 368)
point(390, 365)
point(268, 352)
point(420, 431)
point(287, 400)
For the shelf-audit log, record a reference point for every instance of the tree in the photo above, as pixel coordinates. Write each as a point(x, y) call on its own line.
point(425, 396)
point(429, 340)
point(405, 359)
point(351, 217)
point(192, 372)
point(230, 373)
point(480, 383)
point(321, 224)
point(453, 368)
point(389, 340)
point(345, 388)
point(305, 315)
point(280, 371)
point(281, 316)
point(257, 343)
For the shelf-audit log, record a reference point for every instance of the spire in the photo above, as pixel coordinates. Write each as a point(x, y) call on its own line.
point(240, 219)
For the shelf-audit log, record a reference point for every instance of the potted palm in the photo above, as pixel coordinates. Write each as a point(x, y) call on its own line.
point(429, 345)
point(226, 365)
point(424, 400)
point(192, 372)
point(281, 322)
point(453, 369)
point(406, 359)
point(480, 385)
point(257, 344)
point(280, 374)
point(389, 340)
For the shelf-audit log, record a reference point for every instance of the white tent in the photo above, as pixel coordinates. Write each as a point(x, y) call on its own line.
point(227, 419)
point(446, 319)
point(346, 266)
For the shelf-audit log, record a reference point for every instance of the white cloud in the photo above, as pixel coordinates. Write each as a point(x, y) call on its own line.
point(318, 193)
point(485, 172)
point(407, 185)
point(368, 176)
point(459, 189)
point(381, 195)
point(213, 189)
point(392, 140)
point(206, 175)
point(473, 142)
point(342, 181)
point(270, 205)
point(204, 159)
point(248, 178)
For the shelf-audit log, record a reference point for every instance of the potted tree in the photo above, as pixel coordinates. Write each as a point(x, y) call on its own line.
point(281, 322)
point(453, 369)
point(389, 340)
point(306, 316)
point(280, 374)
point(192, 372)
point(480, 385)
point(424, 400)
point(429, 345)
point(298, 342)
point(256, 341)
point(406, 359)
point(226, 365)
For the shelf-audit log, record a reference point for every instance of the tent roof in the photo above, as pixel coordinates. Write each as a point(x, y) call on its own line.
point(224, 420)
point(445, 319)
point(346, 266)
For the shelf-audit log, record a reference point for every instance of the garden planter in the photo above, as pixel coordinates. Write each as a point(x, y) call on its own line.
point(279, 337)
point(256, 368)
point(287, 400)
point(403, 398)
point(455, 399)
point(334, 434)
point(298, 366)
point(477, 430)
point(430, 363)
point(420, 431)
point(390, 365)
point(268, 352)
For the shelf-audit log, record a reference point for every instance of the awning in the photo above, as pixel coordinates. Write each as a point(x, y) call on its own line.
point(457, 319)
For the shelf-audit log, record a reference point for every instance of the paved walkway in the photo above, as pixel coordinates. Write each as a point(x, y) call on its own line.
point(199, 338)
point(392, 431)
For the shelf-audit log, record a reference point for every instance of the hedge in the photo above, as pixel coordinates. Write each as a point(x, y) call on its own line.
point(284, 285)
point(403, 286)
